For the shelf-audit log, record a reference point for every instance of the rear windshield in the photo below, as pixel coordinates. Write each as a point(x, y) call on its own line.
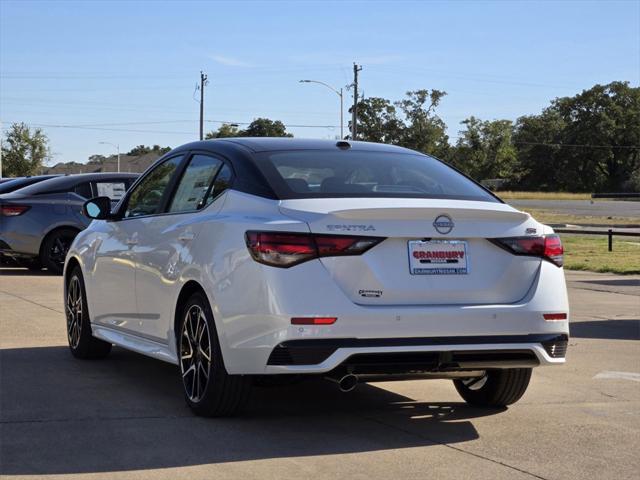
point(325, 174)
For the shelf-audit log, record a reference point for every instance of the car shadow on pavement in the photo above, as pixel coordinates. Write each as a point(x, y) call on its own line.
point(626, 329)
point(61, 415)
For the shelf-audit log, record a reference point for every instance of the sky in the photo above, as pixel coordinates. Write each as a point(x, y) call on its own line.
point(125, 72)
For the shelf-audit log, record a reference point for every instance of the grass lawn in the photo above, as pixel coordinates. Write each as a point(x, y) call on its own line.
point(506, 195)
point(547, 216)
point(589, 252)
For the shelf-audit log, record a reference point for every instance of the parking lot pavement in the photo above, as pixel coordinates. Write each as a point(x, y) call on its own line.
point(124, 417)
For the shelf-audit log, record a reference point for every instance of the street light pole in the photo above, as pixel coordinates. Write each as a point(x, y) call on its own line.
point(117, 145)
point(337, 92)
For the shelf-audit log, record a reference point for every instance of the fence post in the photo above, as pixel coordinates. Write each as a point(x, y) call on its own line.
point(610, 235)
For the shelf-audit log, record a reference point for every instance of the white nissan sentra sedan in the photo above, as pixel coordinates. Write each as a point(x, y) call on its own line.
point(242, 258)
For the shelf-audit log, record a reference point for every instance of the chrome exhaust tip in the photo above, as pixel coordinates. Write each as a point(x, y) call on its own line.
point(345, 383)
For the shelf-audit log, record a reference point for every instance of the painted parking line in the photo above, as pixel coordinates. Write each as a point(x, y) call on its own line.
point(634, 377)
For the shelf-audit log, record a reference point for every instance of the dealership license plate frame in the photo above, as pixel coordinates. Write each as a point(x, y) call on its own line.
point(418, 267)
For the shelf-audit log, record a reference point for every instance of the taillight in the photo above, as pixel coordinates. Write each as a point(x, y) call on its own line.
point(284, 249)
point(548, 247)
point(553, 249)
point(13, 210)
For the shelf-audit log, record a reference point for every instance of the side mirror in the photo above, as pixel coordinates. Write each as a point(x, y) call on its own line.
point(98, 208)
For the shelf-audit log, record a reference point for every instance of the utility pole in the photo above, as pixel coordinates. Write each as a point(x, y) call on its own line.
point(203, 82)
point(354, 110)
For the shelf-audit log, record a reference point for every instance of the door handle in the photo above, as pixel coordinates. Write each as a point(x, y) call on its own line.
point(186, 237)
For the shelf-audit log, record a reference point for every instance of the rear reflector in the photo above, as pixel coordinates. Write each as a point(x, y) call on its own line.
point(548, 247)
point(313, 320)
point(286, 249)
point(13, 210)
point(554, 317)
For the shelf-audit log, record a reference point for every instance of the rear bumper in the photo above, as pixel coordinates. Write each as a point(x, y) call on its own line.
point(8, 254)
point(252, 328)
point(15, 243)
point(410, 355)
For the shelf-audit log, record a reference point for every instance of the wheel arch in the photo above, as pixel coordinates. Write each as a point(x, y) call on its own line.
point(57, 228)
point(186, 291)
point(71, 264)
point(68, 268)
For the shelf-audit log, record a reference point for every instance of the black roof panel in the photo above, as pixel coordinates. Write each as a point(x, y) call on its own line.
point(267, 144)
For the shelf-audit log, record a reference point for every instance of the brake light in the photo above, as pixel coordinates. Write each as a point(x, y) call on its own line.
point(285, 249)
point(554, 317)
point(548, 247)
point(13, 210)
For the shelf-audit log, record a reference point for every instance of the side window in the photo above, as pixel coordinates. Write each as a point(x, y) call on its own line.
point(146, 198)
point(220, 184)
point(115, 190)
point(84, 190)
point(194, 184)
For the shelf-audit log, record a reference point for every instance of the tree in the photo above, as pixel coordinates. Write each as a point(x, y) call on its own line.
point(226, 130)
point(588, 142)
point(23, 151)
point(485, 150)
point(425, 131)
point(537, 139)
point(143, 150)
point(378, 121)
point(260, 127)
point(608, 118)
point(263, 127)
point(420, 128)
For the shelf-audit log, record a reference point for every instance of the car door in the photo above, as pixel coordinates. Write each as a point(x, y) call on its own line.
point(164, 245)
point(114, 299)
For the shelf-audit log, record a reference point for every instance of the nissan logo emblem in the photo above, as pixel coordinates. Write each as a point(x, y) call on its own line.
point(443, 224)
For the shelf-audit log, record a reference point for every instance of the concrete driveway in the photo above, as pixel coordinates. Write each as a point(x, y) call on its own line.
point(124, 417)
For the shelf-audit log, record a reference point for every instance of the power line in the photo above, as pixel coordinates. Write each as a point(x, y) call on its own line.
point(106, 127)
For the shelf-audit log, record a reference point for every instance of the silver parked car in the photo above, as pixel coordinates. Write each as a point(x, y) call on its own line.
point(39, 222)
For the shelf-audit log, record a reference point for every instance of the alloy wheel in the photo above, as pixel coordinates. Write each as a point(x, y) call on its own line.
point(475, 383)
point(59, 248)
point(74, 312)
point(195, 353)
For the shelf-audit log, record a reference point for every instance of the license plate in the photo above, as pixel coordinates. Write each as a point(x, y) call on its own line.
point(438, 257)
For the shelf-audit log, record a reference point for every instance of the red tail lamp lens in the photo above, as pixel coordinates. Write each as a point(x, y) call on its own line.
point(13, 210)
point(313, 320)
point(553, 249)
point(548, 247)
point(283, 249)
point(554, 317)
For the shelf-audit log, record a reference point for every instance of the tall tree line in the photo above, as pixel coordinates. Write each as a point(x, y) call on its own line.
point(586, 143)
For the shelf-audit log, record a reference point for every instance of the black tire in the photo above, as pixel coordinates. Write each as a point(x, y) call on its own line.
point(55, 247)
point(81, 342)
point(208, 389)
point(498, 388)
